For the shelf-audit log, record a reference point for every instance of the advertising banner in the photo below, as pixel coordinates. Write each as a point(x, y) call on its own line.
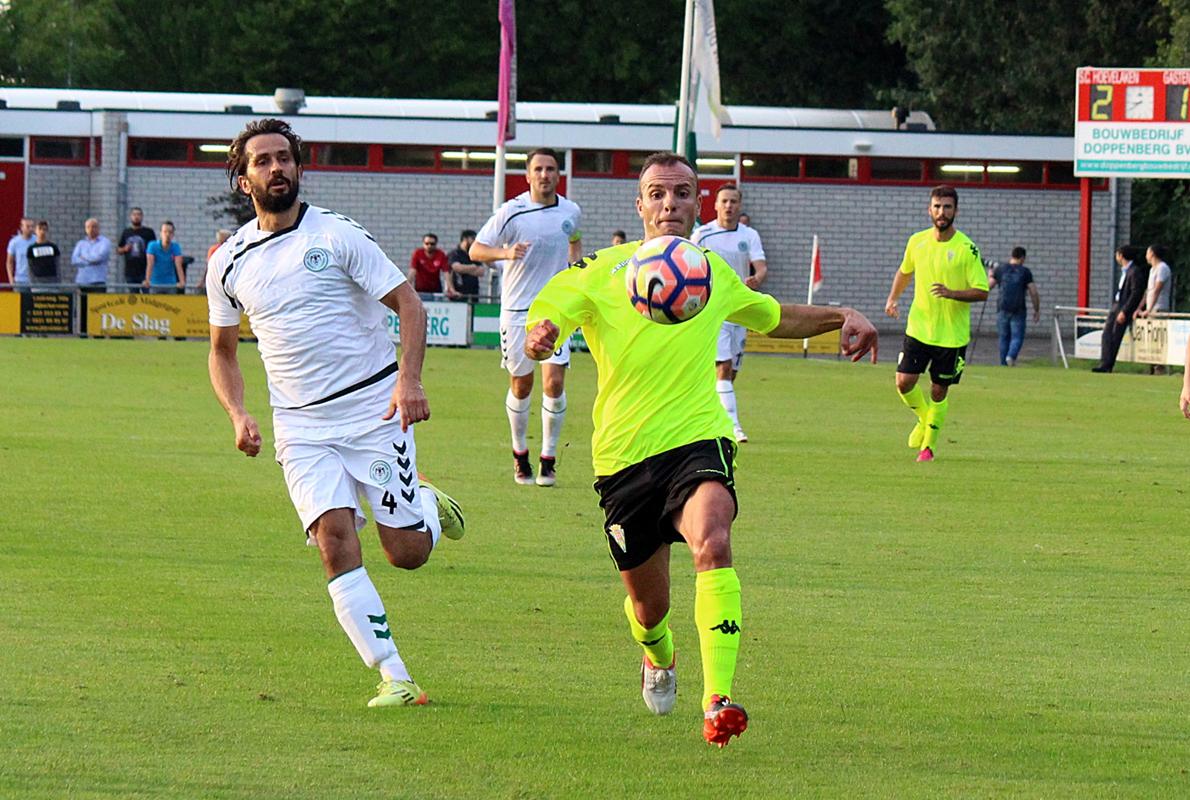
point(177, 315)
point(10, 313)
point(47, 313)
point(447, 324)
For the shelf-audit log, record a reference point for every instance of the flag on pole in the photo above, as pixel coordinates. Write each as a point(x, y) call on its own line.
point(506, 112)
point(815, 269)
point(704, 62)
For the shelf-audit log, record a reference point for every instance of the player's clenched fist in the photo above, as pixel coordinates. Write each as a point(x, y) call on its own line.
point(541, 340)
point(247, 435)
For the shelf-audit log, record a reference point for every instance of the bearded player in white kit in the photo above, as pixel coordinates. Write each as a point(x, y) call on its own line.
point(315, 285)
point(741, 248)
point(536, 234)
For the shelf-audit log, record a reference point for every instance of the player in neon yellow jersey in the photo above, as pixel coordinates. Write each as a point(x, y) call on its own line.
point(663, 450)
point(948, 277)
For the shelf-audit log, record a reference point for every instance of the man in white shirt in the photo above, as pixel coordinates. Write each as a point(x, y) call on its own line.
point(90, 258)
point(1156, 299)
point(741, 248)
point(315, 286)
point(17, 262)
point(535, 235)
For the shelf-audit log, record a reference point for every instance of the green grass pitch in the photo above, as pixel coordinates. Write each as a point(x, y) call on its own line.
point(1010, 621)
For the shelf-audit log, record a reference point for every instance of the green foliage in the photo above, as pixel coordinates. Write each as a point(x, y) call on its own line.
point(231, 205)
point(1010, 621)
point(1161, 215)
point(990, 66)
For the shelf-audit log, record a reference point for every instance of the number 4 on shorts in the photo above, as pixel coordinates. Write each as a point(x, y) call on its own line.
point(389, 501)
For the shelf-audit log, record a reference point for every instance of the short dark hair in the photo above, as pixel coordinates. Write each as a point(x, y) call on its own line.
point(1128, 252)
point(136, 208)
point(621, 234)
point(467, 234)
point(1160, 251)
point(433, 236)
point(945, 191)
point(41, 223)
point(730, 187)
point(237, 157)
point(170, 223)
point(543, 151)
point(1018, 252)
point(665, 158)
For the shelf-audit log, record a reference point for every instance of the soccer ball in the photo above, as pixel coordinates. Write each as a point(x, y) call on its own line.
point(669, 280)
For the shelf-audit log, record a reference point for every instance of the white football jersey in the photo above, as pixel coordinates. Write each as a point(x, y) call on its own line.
point(311, 294)
point(551, 229)
point(739, 246)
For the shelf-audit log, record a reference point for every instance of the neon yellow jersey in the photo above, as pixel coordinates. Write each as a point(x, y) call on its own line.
point(937, 320)
point(656, 382)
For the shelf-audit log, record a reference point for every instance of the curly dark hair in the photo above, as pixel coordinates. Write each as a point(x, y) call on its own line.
point(237, 158)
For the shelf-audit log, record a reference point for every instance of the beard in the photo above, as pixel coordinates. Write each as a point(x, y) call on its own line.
point(942, 223)
point(276, 203)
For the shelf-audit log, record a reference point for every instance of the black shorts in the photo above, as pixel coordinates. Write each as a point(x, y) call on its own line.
point(638, 501)
point(945, 363)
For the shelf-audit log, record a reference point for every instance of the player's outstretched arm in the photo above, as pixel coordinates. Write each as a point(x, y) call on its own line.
point(408, 395)
point(962, 295)
point(487, 253)
point(228, 383)
point(541, 340)
point(900, 281)
point(857, 336)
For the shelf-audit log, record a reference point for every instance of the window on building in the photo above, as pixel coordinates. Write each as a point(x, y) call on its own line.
point(833, 168)
point(73, 151)
point(595, 162)
point(769, 166)
point(956, 171)
point(1014, 172)
point(895, 169)
point(715, 165)
point(464, 158)
point(211, 152)
point(158, 150)
point(12, 147)
point(341, 155)
point(407, 157)
point(1061, 173)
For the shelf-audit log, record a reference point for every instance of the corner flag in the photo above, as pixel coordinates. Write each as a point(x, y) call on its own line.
point(815, 270)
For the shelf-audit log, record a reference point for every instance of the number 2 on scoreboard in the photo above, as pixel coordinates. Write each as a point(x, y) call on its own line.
point(1101, 97)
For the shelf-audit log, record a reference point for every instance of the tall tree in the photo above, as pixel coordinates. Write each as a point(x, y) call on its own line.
point(992, 66)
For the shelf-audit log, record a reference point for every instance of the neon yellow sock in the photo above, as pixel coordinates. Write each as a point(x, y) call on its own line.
point(657, 641)
point(918, 403)
point(935, 419)
point(717, 615)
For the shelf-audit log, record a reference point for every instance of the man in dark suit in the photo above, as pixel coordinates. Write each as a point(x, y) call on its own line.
point(1134, 278)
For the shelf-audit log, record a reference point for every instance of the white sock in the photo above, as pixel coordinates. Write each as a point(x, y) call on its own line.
point(726, 391)
point(553, 413)
point(429, 509)
point(518, 419)
point(361, 613)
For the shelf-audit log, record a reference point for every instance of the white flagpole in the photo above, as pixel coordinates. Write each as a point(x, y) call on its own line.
point(498, 183)
point(810, 295)
point(684, 89)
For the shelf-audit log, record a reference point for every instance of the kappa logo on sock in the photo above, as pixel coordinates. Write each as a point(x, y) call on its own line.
point(727, 626)
point(617, 533)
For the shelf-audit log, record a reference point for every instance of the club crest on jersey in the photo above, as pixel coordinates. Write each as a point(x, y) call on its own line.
point(568, 226)
point(950, 255)
point(317, 259)
point(617, 533)
point(381, 472)
point(743, 246)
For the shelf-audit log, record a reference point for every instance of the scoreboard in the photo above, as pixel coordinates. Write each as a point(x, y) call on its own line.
point(1132, 123)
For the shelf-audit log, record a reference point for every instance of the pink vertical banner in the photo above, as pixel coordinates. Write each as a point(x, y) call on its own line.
point(506, 115)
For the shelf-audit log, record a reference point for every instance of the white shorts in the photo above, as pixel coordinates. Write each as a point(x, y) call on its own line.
point(512, 346)
point(376, 460)
point(731, 344)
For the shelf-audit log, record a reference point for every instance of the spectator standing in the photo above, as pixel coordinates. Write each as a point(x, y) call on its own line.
point(18, 253)
point(618, 237)
point(465, 272)
point(90, 258)
point(134, 241)
point(746, 219)
point(1157, 291)
point(428, 269)
point(1014, 280)
point(221, 236)
point(1130, 290)
point(43, 257)
point(164, 273)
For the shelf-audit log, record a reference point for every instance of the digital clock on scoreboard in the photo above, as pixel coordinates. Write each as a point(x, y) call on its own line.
point(1132, 123)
